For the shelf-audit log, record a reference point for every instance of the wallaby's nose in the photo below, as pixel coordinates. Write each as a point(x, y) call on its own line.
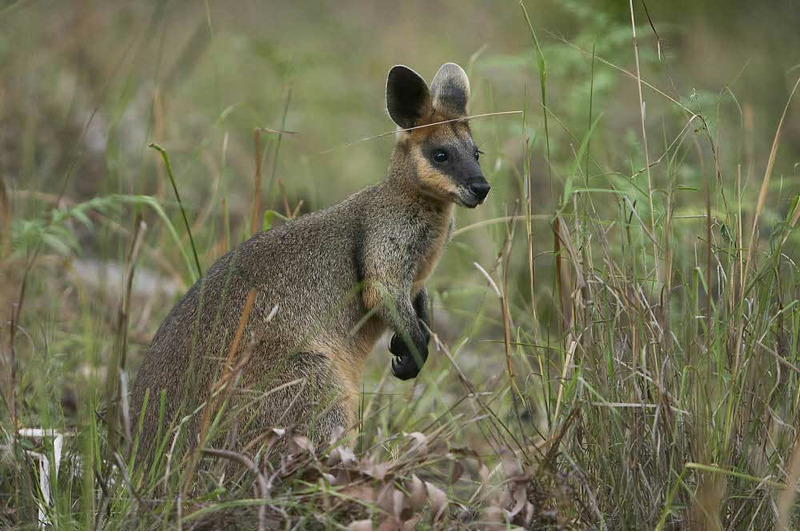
point(480, 189)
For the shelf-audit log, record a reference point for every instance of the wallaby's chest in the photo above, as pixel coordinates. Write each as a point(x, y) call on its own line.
point(435, 243)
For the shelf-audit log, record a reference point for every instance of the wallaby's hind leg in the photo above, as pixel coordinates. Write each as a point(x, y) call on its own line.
point(302, 392)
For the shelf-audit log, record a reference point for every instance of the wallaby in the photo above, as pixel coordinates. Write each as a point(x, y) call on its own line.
point(327, 285)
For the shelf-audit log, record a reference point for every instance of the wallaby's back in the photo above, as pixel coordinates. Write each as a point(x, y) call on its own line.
point(308, 269)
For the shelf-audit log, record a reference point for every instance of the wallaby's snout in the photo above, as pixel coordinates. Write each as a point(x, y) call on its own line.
point(480, 188)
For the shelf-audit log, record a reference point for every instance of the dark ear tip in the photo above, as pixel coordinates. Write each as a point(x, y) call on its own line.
point(407, 96)
point(396, 70)
point(400, 72)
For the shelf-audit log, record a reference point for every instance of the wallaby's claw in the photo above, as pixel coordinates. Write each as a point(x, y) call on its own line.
point(404, 367)
point(404, 363)
point(398, 347)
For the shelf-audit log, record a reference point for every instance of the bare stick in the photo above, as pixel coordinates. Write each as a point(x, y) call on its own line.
point(263, 491)
point(394, 132)
point(644, 141)
point(229, 372)
point(115, 371)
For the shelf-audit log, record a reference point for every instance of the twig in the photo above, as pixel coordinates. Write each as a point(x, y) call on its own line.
point(394, 132)
point(116, 370)
point(280, 132)
point(644, 141)
point(257, 192)
point(229, 372)
point(250, 465)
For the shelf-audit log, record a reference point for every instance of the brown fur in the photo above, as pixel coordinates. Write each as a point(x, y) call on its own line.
point(443, 228)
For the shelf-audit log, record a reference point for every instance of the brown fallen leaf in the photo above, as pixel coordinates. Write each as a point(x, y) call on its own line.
point(528, 513)
point(410, 524)
point(512, 466)
point(359, 491)
point(493, 518)
point(483, 474)
point(420, 441)
point(390, 523)
point(520, 498)
point(390, 500)
point(341, 455)
point(301, 443)
point(417, 494)
point(456, 472)
point(438, 500)
point(362, 524)
point(377, 471)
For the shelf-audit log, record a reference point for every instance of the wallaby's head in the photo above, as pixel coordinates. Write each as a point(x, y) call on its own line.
point(443, 158)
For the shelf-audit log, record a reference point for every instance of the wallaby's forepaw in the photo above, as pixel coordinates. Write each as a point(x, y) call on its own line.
point(406, 364)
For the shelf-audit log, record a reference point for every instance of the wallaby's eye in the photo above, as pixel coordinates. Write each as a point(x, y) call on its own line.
point(478, 154)
point(440, 156)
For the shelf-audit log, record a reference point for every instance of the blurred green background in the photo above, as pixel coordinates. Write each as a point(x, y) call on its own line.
point(186, 73)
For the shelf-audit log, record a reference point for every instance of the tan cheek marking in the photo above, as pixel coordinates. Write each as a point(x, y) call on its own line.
point(431, 178)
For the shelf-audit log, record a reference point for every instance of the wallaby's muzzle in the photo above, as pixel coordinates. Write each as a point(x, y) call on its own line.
point(480, 188)
point(474, 192)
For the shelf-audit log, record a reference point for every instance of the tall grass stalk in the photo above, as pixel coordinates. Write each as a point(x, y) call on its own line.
point(165, 158)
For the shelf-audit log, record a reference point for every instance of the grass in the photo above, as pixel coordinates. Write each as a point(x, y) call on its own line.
point(615, 331)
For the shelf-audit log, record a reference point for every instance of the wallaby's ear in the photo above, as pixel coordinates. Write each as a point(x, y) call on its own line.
point(450, 89)
point(408, 98)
